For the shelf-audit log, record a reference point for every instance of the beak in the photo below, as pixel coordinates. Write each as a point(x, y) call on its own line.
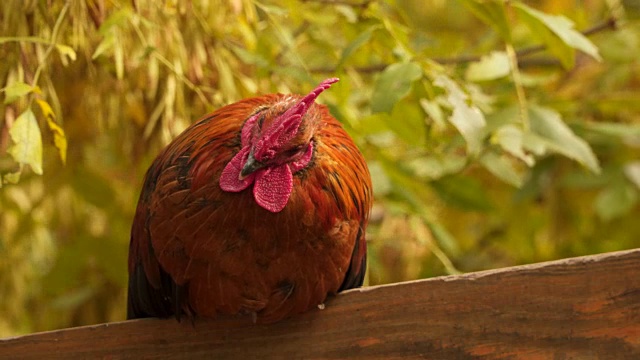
point(250, 166)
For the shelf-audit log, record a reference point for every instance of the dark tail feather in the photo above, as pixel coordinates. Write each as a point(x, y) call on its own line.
point(358, 266)
point(144, 300)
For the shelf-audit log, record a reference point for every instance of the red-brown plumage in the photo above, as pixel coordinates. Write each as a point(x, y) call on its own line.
point(203, 251)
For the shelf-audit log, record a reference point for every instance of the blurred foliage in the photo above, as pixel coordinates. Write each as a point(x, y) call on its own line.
point(496, 132)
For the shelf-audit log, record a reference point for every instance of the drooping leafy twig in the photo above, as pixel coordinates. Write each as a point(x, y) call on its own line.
point(54, 37)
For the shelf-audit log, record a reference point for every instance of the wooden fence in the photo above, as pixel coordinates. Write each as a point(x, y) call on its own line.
point(579, 308)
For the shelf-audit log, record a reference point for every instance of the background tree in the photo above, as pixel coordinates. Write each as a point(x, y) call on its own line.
point(497, 133)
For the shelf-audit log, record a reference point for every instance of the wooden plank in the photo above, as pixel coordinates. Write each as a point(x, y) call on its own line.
point(580, 308)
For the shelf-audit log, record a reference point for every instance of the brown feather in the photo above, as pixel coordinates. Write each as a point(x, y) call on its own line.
point(227, 254)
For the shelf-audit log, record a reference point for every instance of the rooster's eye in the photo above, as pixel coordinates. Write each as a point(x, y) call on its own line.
point(261, 120)
point(294, 150)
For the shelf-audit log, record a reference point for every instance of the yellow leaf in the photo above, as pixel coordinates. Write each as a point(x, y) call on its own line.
point(118, 55)
point(12, 178)
point(27, 147)
point(59, 138)
point(47, 111)
point(66, 51)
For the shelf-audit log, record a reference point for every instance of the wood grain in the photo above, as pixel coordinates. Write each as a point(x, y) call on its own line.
point(579, 308)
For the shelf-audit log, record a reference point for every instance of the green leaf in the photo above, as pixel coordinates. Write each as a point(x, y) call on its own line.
point(373, 124)
point(250, 57)
point(616, 200)
point(106, 44)
point(490, 67)
point(27, 147)
point(582, 180)
point(466, 117)
point(272, 9)
point(227, 82)
point(554, 44)
point(510, 139)
point(492, 13)
point(116, 19)
point(434, 111)
point(502, 168)
point(73, 298)
point(424, 235)
point(435, 167)
point(534, 143)
point(403, 182)
point(463, 192)
point(16, 90)
point(556, 136)
point(557, 33)
point(407, 121)
point(362, 39)
point(618, 130)
point(632, 172)
point(444, 238)
point(393, 84)
point(24, 39)
point(379, 179)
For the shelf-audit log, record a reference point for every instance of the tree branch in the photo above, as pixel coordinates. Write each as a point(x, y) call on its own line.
point(362, 4)
point(609, 24)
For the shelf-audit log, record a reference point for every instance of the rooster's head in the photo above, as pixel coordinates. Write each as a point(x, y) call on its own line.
point(276, 141)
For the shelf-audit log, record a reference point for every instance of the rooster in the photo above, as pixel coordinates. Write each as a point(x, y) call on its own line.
point(258, 208)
